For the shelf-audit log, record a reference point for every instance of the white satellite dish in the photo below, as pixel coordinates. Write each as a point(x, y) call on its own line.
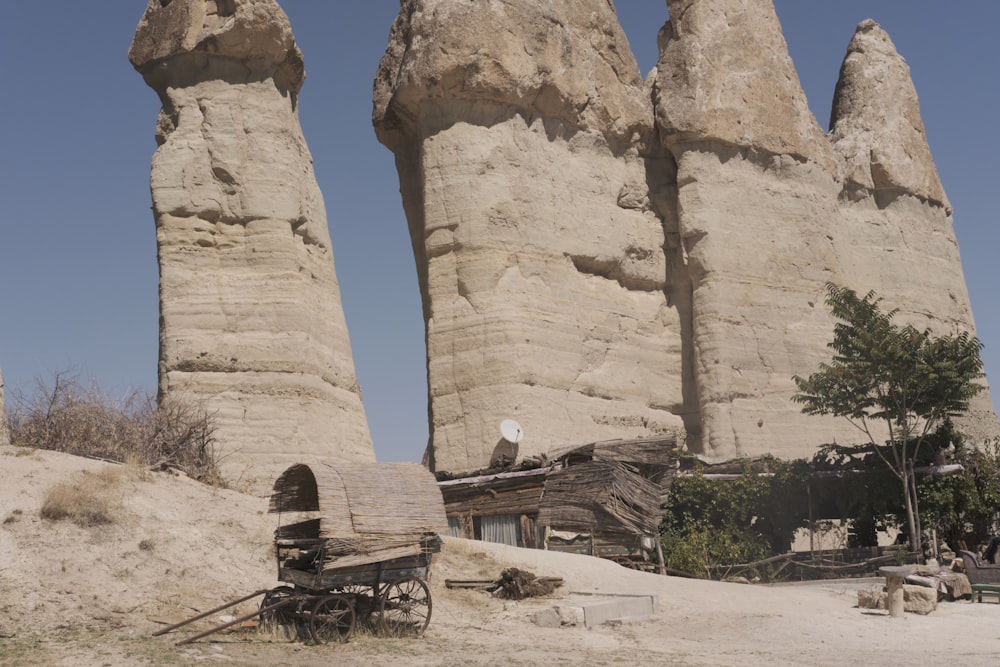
point(511, 431)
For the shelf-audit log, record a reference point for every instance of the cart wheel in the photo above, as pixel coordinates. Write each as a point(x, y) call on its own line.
point(332, 619)
point(280, 621)
point(405, 608)
point(364, 599)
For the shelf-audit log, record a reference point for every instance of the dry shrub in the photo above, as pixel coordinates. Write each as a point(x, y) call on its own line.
point(66, 416)
point(517, 584)
point(88, 499)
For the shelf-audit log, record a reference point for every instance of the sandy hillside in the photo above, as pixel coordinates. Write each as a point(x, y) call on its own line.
point(72, 595)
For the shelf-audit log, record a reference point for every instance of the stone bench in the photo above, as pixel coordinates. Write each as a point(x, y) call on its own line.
point(979, 590)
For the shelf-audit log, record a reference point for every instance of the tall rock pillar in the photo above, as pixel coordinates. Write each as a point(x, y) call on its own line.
point(770, 209)
point(897, 232)
point(539, 208)
point(757, 204)
point(250, 315)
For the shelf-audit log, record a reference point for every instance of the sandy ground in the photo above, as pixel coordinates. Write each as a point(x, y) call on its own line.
point(73, 595)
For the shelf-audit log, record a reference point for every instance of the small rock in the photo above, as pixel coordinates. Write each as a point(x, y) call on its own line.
point(547, 618)
point(919, 599)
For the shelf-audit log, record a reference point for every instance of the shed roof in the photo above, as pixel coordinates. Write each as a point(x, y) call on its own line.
point(660, 451)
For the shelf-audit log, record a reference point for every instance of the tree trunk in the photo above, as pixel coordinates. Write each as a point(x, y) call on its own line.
point(915, 504)
point(911, 523)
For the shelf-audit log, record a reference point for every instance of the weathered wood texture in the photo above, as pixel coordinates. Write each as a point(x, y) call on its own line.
point(600, 496)
point(366, 512)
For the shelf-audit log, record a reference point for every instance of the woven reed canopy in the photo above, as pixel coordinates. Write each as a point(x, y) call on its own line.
point(363, 499)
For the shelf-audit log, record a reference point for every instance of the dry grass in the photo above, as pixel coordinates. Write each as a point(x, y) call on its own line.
point(88, 499)
point(65, 415)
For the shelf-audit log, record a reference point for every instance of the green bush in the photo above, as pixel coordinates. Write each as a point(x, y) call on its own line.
point(963, 508)
point(711, 523)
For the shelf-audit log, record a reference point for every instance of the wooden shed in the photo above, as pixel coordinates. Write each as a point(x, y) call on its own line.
point(601, 498)
point(359, 513)
point(604, 499)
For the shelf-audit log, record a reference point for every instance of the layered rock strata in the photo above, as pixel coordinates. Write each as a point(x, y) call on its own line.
point(770, 209)
point(251, 323)
point(595, 266)
point(901, 235)
point(540, 223)
point(758, 215)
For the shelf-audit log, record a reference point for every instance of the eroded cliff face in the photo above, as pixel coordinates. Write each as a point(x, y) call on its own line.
point(250, 315)
point(540, 212)
point(598, 259)
point(770, 209)
point(758, 212)
point(898, 231)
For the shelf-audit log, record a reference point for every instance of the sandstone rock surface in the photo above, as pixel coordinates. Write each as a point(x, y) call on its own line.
point(725, 74)
point(757, 205)
point(250, 315)
point(539, 221)
point(597, 266)
point(876, 125)
point(765, 227)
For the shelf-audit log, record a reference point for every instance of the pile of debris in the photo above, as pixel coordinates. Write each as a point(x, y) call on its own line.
point(513, 584)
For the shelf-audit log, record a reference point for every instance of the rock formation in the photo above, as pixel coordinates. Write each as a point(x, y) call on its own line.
point(538, 222)
point(596, 266)
point(755, 204)
point(4, 432)
point(893, 207)
point(250, 315)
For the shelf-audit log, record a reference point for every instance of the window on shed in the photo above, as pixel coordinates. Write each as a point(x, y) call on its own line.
point(500, 528)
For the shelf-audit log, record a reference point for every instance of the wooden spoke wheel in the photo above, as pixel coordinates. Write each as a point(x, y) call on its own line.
point(364, 600)
point(332, 619)
point(279, 621)
point(405, 608)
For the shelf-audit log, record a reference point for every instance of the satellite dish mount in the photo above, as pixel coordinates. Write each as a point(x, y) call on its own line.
point(505, 452)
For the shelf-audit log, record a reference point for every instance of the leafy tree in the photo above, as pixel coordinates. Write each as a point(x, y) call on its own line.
point(709, 523)
point(963, 507)
point(907, 380)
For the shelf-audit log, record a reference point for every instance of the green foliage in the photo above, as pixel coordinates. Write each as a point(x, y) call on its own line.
point(908, 380)
point(703, 550)
point(852, 484)
point(903, 377)
point(709, 523)
point(964, 507)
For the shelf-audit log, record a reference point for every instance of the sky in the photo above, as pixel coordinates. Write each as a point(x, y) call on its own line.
point(78, 273)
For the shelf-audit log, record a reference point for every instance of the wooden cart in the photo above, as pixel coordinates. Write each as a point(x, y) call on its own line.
point(358, 550)
point(326, 603)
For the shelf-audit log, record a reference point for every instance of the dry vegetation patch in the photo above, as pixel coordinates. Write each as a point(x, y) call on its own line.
point(66, 415)
point(87, 499)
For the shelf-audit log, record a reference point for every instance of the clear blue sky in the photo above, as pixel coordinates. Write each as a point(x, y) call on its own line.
point(78, 276)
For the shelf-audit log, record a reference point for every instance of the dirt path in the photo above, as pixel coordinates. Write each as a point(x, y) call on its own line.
point(79, 596)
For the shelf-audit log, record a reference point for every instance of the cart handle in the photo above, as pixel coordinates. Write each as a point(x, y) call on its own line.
point(233, 622)
point(171, 628)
